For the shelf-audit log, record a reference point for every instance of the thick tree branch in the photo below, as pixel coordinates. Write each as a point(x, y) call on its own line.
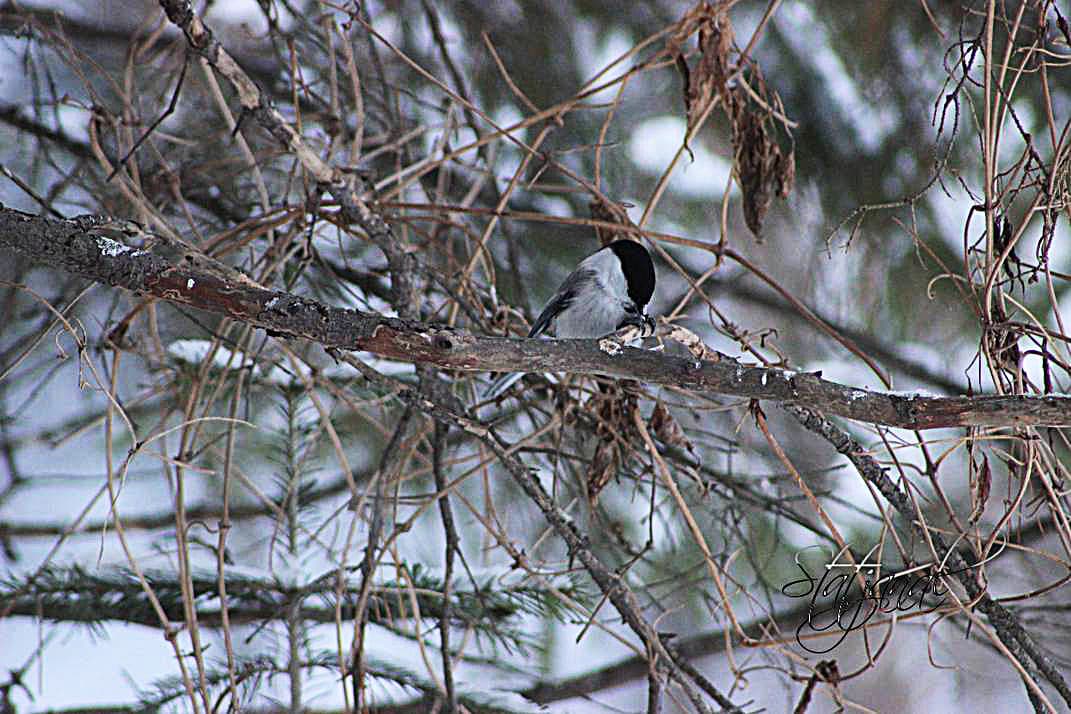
point(121, 254)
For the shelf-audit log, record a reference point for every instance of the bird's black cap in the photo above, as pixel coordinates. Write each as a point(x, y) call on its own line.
point(638, 269)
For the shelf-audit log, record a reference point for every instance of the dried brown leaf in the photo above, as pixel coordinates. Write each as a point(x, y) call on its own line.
point(612, 408)
point(763, 170)
point(669, 431)
point(708, 79)
point(604, 464)
point(982, 486)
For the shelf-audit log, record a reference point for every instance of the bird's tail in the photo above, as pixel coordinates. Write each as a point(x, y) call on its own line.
point(499, 386)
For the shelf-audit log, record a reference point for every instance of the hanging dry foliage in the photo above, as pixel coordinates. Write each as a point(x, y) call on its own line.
point(762, 169)
point(604, 464)
point(709, 78)
point(612, 407)
point(669, 431)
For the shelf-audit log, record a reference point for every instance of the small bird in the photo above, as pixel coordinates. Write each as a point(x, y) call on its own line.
point(608, 290)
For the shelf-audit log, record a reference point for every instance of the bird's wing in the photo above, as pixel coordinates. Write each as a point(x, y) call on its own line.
point(561, 300)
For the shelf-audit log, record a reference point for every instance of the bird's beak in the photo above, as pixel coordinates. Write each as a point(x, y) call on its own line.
point(648, 325)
